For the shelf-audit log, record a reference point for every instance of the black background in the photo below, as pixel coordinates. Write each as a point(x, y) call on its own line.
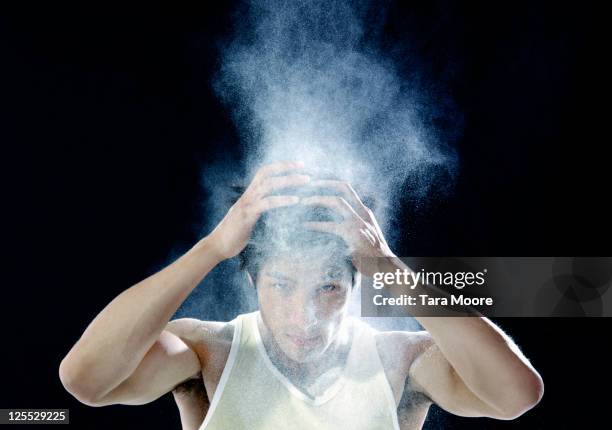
point(108, 116)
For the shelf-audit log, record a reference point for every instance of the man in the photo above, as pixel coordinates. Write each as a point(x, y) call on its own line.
point(299, 361)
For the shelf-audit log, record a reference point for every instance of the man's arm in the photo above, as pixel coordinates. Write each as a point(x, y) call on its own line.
point(160, 370)
point(125, 349)
point(168, 362)
point(473, 368)
point(433, 375)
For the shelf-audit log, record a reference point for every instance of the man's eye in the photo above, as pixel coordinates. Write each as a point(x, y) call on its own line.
point(328, 288)
point(279, 285)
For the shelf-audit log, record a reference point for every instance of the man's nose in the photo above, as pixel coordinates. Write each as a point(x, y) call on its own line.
point(303, 312)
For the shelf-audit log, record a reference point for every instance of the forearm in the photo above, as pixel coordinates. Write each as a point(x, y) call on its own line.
point(116, 341)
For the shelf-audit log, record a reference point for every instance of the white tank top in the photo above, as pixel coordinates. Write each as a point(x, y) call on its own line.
point(253, 394)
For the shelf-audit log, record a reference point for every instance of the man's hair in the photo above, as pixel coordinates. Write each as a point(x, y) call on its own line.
point(281, 231)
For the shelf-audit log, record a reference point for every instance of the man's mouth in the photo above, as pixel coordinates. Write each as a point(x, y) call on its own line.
point(304, 342)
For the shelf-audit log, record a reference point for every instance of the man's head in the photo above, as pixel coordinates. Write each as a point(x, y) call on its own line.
point(303, 278)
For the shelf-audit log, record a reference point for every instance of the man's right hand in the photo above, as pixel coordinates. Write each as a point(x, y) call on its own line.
point(233, 232)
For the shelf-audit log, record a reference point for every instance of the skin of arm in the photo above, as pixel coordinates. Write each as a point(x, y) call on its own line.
point(190, 396)
point(125, 355)
point(192, 403)
point(481, 372)
point(125, 345)
point(470, 367)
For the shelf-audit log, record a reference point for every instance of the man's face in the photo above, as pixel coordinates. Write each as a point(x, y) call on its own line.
point(303, 301)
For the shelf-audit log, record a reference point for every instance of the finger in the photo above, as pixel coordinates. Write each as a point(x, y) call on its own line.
point(376, 226)
point(369, 235)
point(272, 202)
point(347, 191)
point(278, 182)
point(335, 203)
point(276, 168)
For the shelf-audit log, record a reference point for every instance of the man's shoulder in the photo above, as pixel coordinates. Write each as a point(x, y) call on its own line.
point(412, 342)
point(196, 328)
point(398, 349)
point(203, 335)
point(404, 342)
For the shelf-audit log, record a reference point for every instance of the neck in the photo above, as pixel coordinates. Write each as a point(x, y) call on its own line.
point(334, 355)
